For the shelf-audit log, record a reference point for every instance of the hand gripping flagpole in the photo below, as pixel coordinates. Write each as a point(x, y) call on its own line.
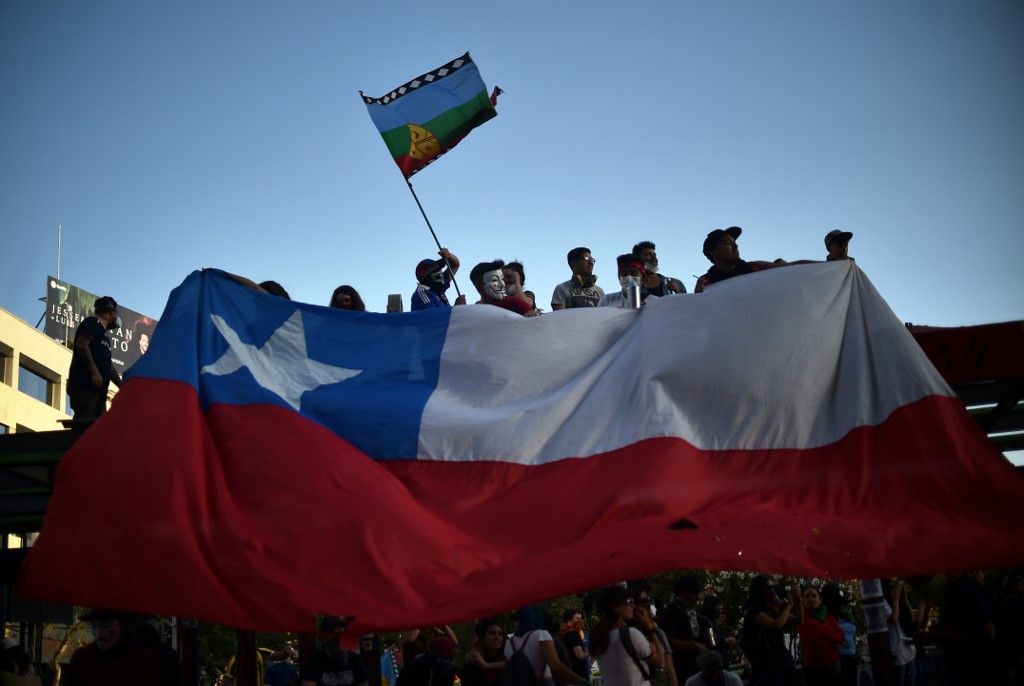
point(457, 105)
point(432, 233)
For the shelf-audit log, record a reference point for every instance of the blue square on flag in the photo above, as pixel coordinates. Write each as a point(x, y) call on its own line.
point(364, 376)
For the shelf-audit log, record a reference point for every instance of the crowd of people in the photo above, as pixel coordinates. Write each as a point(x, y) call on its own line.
point(497, 283)
point(770, 632)
point(781, 634)
point(503, 284)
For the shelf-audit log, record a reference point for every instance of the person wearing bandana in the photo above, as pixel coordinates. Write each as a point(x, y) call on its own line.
point(92, 368)
point(434, 277)
point(489, 280)
point(630, 267)
point(582, 289)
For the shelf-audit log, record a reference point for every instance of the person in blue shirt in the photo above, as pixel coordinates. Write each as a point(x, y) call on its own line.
point(434, 277)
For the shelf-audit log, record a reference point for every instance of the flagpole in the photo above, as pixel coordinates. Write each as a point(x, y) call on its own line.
point(427, 220)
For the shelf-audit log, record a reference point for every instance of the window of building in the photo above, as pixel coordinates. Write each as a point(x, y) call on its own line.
point(33, 383)
point(3, 429)
point(22, 429)
point(6, 363)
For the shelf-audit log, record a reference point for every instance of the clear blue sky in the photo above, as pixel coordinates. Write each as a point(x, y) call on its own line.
point(171, 136)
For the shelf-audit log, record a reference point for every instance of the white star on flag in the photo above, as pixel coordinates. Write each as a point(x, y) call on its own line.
point(281, 365)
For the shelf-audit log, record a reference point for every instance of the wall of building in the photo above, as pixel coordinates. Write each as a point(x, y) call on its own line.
point(22, 346)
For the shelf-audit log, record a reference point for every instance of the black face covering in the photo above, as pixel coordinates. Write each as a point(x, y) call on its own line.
point(586, 280)
point(113, 323)
point(434, 280)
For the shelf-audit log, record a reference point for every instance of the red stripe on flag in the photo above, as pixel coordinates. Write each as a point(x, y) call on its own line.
point(252, 516)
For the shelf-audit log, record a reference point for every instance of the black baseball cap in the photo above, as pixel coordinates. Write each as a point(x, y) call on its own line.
point(712, 240)
point(836, 235)
point(105, 304)
point(428, 266)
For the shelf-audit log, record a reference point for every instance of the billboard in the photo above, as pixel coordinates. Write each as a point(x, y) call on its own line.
point(68, 305)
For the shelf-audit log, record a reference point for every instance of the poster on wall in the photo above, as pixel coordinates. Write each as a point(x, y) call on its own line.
point(67, 305)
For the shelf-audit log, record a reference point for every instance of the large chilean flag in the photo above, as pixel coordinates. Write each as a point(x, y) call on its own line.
point(268, 460)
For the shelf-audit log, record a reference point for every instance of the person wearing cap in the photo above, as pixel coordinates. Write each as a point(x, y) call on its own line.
point(113, 658)
point(712, 672)
point(630, 267)
point(92, 367)
point(331, 664)
point(720, 247)
point(837, 243)
point(689, 632)
point(581, 290)
point(434, 277)
point(654, 283)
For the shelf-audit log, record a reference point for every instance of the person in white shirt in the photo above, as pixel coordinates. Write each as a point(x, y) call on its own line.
point(624, 655)
point(539, 647)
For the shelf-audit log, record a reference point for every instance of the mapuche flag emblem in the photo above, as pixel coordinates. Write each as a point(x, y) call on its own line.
point(426, 117)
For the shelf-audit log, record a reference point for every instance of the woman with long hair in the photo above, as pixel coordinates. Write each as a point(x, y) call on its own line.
point(347, 298)
point(485, 664)
point(764, 623)
point(624, 655)
point(820, 636)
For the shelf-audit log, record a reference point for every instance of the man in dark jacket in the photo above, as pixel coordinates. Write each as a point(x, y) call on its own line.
point(92, 368)
point(113, 658)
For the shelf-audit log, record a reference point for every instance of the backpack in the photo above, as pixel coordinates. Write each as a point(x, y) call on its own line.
point(519, 670)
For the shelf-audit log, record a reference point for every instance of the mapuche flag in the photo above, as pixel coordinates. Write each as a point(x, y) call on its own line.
point(287, 459)
point(426, 117)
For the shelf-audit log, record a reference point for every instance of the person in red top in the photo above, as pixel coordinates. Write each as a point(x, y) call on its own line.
point(489, 279)
point(820, 637)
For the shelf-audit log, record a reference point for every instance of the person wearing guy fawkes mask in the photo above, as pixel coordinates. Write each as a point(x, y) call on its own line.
point(489, 280)
point(434, 277)
point(332, 665)
point(92, 368)
point(654, 283)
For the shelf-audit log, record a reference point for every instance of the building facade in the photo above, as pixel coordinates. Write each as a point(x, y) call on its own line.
point(33, 378)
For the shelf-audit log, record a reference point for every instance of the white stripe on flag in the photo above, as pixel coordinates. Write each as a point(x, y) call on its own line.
point(795, 357)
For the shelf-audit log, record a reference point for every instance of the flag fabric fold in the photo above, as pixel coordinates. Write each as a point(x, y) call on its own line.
point(428, 116)
point(418, 468)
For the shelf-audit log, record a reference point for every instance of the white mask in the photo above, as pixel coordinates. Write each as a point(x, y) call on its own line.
point(494, 284)
point(651, 267)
